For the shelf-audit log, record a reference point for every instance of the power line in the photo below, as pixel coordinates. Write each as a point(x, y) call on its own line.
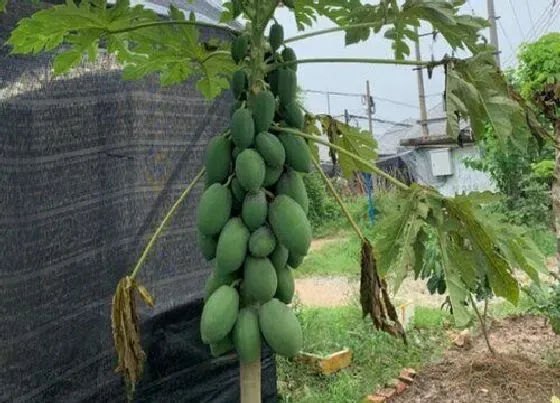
point(356, 94)
point(506, 36)
point(529, 12)
point(516, 17)
point(534, 28)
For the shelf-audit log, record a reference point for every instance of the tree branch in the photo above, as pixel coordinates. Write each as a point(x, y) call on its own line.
point(415, 63)
point(162, 225)
point(341, 150)
point(170, 22)
point(331, 30)
point(338, 199)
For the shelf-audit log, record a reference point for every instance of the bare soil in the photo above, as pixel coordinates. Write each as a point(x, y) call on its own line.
point(521, 371)
point(332, 291)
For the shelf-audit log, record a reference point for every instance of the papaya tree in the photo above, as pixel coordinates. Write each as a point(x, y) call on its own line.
point(252, 214)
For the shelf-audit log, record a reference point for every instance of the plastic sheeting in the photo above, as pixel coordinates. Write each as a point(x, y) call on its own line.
point(89, 165)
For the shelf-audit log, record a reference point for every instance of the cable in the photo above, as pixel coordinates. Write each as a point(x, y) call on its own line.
point(354, 94)
point(506, 36)
point(516, 17)
point(529, 12)
point(534, 28)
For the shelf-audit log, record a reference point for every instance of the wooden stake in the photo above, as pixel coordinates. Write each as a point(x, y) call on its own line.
point(250, 381)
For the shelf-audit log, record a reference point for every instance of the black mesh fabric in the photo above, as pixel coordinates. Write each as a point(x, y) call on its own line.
point(89, 164)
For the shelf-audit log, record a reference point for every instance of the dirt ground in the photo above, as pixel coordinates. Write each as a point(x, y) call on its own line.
point(521, 370)
point(332, 291)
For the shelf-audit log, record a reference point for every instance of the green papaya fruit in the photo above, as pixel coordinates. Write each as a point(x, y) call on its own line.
point(247, 335)
point(239, 47)
point(221, 347)
point(217, 160)
point(239, 83)
point(290, 224)
point(297, 152)
point(288, 55)
point(291, 184)
point(259, 278)
point(287, 85)
point(232, 246)
point(279, 257)
point(219, 314)
point(262, 242)
point(280, 328)
point(250, 170)
point(263, 105)
point(214, 209)
point(271, 149)
point(295, 260)
point(208, 245)
point(272, 174)
point(276, 36)
point(242, 128)
point(286, 285)
point(254, 210)
point(293, 115)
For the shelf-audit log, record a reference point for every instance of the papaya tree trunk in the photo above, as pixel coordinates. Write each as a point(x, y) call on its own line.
point(556, 192)
point(250, 381)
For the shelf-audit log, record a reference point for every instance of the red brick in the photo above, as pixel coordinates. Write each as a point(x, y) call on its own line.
point(386, 393)
point(375, 399)
point(411, 373)
point(408, 380)
point(400, 388)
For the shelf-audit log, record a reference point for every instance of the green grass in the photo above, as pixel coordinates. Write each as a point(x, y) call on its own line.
point(337, 258)
point(377, 356)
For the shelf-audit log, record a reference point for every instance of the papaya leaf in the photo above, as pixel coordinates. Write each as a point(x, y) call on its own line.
point(310, 127)
point(397, 232)
point(455, 285)
point(476, 90)
point(354, 140)
point(174, 51)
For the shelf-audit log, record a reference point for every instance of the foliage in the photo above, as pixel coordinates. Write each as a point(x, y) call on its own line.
point(547, 302)
point(176, 52)
point(472, 247)
point(460, 31)
point(539, 65)
point(322, 208)
point(377, 357)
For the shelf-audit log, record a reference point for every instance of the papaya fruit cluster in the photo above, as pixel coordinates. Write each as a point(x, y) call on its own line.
point(252, 217)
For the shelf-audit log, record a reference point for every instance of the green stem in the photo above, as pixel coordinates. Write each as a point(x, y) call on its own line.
point(216, 53)
point(360, 60)
point(338, 199)
point(162, 225)
point(330, 30)
point(483, 324)
point(341, 150)
point(170, 22)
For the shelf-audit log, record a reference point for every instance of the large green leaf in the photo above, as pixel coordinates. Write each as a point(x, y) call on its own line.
point(477, 91)
point(354, 140)
point(175, 52)
point(397, 231)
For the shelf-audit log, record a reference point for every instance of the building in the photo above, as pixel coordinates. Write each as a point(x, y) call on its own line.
point(436, 160)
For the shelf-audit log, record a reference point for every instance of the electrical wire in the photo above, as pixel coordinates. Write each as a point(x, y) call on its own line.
point(511, 47)
point(529, 12)
point(516, 17)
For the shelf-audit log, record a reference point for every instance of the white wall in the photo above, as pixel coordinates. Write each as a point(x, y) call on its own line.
point(463, 180)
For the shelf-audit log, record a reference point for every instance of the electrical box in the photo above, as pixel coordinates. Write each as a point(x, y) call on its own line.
point(442, 164)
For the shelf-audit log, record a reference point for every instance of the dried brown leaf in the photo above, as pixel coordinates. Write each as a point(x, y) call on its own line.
point(126, 331)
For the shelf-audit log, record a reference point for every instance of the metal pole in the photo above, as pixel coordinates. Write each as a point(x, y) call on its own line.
point(421, 91)
point(493, 29)
point(329, 103)
point(346, 117)
point(369, 107)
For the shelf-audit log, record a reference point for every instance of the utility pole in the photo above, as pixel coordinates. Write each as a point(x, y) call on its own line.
point(369, 108)
point(346, 117)
point(493, 29)
point(421, 91)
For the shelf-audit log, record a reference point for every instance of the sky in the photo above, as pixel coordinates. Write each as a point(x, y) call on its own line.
point(519, 21)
